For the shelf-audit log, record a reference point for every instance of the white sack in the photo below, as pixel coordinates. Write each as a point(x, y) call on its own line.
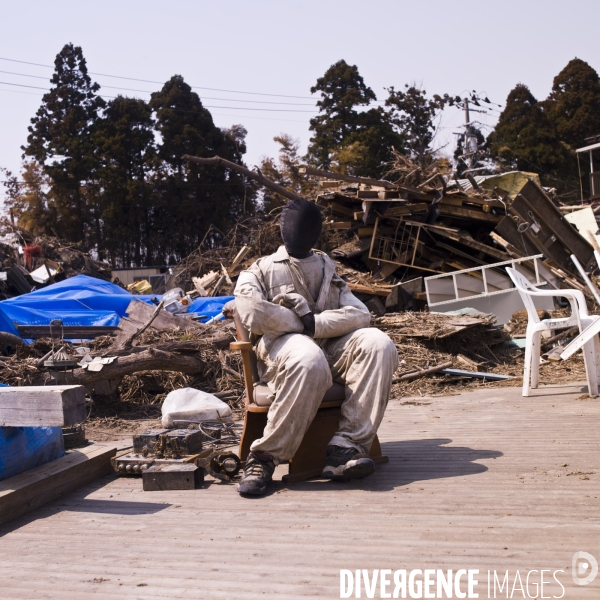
point(188, 404)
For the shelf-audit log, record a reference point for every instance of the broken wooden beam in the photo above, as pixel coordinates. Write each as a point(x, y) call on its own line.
point(31, 489)
point(42, 406)
point(350, 178)
point(217, 161)
point(367, 289)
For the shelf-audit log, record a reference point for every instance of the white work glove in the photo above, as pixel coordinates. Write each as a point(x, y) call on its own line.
point(294, 301)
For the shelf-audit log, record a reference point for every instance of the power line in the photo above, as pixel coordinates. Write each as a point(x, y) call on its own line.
point(112, 87)
point(204, 105)
point(177, 110)
point(197, 87)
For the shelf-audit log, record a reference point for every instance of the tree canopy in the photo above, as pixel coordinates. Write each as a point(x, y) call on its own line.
point(110, 175)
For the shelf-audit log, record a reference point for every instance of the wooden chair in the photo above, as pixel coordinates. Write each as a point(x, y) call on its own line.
point(309, 460)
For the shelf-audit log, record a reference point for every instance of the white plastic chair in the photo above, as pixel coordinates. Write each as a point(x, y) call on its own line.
point(579, 317)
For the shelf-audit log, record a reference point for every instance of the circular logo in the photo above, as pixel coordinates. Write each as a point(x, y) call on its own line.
point(585, 568)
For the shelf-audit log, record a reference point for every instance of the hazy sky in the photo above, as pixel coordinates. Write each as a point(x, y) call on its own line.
point(280, 48)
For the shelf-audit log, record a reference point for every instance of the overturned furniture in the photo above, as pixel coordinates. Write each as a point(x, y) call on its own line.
point(579, 318)
point(488, 289)
point(309, 459)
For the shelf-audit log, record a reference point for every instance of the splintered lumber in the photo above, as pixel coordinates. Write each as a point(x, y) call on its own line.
point(42, 406)
point(201, 283)
point(139, 314)
point(350, 249)
point(367, 289)
point(237, 261)
point(27, 491)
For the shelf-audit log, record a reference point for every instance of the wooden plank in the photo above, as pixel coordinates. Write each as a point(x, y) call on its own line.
point(42, 406)
point(350, 178)
point(367, 194)
point(365, 231)
point(549, 215)
point(343, 210)
point(366, 289)
point(448, 210)
point(480, 475)
point(27, 491)
point(68, 332)
point(340, 225)
point(468, 241)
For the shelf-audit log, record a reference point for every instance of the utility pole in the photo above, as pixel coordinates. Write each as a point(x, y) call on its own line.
point(470, 147)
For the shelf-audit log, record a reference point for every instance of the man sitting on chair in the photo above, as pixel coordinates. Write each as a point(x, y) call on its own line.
point(311, 330)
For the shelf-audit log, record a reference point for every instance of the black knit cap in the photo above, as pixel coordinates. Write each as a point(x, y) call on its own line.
point(301, 225)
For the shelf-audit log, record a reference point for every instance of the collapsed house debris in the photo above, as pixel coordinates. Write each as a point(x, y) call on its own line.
point(32, 262)
point(393, 243)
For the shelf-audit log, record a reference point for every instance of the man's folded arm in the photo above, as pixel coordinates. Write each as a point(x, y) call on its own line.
point(351, 315)
point(259, 315)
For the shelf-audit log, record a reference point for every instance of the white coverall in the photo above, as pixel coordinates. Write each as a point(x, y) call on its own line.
point(299, 370)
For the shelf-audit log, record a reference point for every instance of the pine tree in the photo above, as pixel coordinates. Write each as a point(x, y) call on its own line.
point(62, 132)
point(525, 138)
point(127, 157)
point(573, 105)
point(357, 142)
point(193, 197)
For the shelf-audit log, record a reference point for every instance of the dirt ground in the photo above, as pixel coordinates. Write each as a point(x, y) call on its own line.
point(112, 419)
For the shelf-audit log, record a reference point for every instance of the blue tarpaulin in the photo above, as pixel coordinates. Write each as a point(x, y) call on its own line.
point(83, 301)
point(209, 307)
point(78, 301)
point(22, 448)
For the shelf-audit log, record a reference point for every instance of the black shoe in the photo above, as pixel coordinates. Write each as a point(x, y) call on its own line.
point(257, 475)
point(342, 464)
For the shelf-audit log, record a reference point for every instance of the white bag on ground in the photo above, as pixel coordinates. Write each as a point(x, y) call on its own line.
point(188, 404)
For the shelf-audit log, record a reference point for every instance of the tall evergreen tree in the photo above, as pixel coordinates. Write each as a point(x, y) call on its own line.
point(61, 132)
point(358, 142)
point(127, 157)
point(526, 139)
point(573, 105)
point(192, 196)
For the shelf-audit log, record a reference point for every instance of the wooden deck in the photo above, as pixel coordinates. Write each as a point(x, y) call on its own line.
point(484, 480)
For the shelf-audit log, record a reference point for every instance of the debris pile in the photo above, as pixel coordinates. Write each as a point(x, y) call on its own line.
point(31, 262)
point(395, 233)
point(385, 237)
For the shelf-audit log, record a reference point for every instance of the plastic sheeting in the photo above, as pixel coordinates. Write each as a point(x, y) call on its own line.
point(23, 448)
point(78, 301)
point(84, 301)
point(209, 307)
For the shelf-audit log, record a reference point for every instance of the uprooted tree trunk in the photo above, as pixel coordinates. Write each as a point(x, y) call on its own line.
point(184, 357)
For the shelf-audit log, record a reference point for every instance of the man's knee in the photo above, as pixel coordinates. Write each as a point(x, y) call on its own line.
point(376, 342)
point(302, 355)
